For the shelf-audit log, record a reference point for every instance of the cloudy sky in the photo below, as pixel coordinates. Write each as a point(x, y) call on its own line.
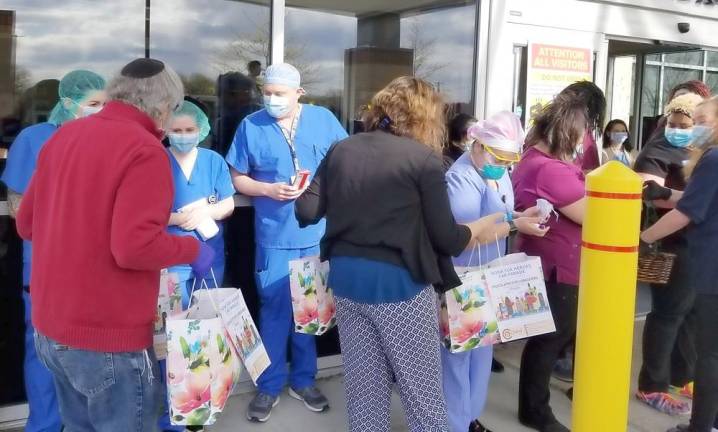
point(195, 36)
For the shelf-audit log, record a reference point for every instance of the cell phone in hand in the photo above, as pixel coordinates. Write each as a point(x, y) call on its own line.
point(300, 182)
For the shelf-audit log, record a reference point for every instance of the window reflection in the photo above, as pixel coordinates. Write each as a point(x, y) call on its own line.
point(208, 42)
point(349, 53)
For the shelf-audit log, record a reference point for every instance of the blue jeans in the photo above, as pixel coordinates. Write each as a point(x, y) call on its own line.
point(39, 385)
point(276, 323)
point(103, 392)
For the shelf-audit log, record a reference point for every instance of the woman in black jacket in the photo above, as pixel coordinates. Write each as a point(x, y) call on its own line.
point(390, 233)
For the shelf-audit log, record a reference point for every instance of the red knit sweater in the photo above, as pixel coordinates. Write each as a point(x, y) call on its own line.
point(96, 212)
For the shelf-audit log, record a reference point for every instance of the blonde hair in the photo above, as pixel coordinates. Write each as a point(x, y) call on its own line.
point(409, 107)
point(684, 104)
point(697, 153)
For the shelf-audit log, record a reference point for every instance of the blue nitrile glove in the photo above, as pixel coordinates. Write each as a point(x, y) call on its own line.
point(203, 263)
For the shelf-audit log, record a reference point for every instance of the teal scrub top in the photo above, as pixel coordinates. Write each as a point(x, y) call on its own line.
point(21, 163)
point(208, 180)
point(261, 151)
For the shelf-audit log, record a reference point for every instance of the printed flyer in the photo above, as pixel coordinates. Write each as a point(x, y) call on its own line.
point(518, 294)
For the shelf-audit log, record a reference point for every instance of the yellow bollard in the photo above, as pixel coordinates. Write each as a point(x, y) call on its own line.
point(606, 300)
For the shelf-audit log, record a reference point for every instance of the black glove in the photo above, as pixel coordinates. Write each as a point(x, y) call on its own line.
point(653, 191)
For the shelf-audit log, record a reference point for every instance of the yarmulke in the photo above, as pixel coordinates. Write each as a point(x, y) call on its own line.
point(143, 68)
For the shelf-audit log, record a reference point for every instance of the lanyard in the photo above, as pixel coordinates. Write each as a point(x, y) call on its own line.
point(289, 136)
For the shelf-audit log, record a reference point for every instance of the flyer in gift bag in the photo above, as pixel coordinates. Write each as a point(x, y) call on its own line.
point(313, 302)
point(169, 303)
point(243, 333)
point(466, 315)
point(518, 294)
point(202, 368)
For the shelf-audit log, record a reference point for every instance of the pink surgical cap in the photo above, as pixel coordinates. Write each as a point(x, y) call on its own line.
point(502, 131)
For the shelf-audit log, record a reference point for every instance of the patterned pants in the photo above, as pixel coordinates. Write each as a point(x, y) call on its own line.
point(383, 342)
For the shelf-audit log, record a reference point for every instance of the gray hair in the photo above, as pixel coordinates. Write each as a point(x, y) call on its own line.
point(154, 96)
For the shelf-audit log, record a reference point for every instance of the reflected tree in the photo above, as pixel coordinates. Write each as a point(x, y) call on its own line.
point(23, 80)
point(254, 45)
point(424, 47)
point(198, 84)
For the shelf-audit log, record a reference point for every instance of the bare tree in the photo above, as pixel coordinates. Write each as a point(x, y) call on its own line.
point(198, 84)
point(23, 80)
point(424, 50)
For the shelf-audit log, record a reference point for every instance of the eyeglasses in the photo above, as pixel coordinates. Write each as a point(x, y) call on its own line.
point(514, 158)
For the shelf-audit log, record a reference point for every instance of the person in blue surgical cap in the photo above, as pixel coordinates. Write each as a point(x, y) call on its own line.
point(81, 93)
point(203, 199)
point(270, 147)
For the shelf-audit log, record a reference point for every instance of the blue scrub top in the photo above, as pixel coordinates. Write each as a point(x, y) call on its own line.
point(700, 204)
point(471, 198)
point(21, 163)
point(209, 179)
point(260, 150)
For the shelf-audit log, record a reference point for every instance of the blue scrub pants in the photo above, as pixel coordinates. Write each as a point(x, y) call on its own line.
point(276, 323)
point(466, 384)
point(39, 383)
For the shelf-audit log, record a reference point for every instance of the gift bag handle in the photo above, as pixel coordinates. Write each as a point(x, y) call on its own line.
point(204, 285)
point(471, 256)
point(499, 255)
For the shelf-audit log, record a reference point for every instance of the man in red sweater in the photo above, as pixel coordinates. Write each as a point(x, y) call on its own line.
point(96, 212)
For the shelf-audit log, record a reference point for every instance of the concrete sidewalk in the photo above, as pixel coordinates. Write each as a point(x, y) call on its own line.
point(500, 415)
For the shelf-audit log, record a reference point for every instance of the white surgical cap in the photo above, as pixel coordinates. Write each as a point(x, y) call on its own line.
point(283, 74)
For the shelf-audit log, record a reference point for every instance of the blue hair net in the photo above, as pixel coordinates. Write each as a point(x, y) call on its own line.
point(284, 74)
point(74, 86)
point(189, 109)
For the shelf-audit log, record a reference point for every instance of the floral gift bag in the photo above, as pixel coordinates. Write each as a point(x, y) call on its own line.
point(313, 301)
point(202, 369)
point(466, 315)
point(169, 303)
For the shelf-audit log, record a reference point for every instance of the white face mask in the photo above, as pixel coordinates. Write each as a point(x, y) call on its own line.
point(84, 111)
point(89, 110)
point(578, 151)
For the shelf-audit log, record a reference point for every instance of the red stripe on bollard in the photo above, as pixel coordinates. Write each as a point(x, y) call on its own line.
point(613, 195)
point(606, 248)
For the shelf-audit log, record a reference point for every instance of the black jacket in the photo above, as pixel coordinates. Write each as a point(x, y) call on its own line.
point(385, 199)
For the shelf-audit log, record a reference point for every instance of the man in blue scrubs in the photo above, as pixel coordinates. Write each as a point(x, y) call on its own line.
point(270, 147)
point(81, 93)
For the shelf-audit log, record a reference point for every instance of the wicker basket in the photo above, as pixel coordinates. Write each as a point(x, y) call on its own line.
point(655, 267)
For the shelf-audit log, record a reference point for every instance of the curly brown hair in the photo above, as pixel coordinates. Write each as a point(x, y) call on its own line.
point(409, 107)
point(561, 125)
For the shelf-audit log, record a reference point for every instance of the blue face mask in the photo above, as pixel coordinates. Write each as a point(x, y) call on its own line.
point(492, 172)
point(679, 137)
point(276, 106)
point(183, 143)
point(701, 135)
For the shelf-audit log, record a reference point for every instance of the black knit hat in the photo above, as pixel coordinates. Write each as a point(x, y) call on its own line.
point(143, 68)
